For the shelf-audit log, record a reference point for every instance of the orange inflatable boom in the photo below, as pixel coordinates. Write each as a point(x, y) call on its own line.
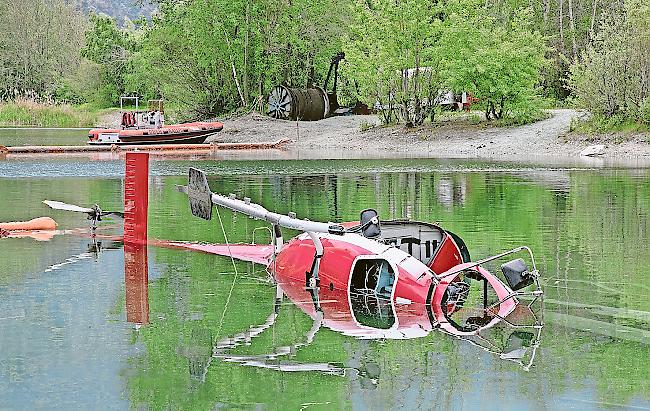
point(40, 223)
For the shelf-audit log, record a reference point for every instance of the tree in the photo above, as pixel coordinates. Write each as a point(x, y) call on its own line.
point(390, 52)
point(40, 41)
point(612, 77)
point(211, 57)
point(498, 62)
point(110, 48)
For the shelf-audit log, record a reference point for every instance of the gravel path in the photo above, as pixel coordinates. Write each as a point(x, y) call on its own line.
point(547, 141)
point(342, 137)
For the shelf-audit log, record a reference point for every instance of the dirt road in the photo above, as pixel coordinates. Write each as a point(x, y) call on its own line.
point(547, 141)
point(342, 137)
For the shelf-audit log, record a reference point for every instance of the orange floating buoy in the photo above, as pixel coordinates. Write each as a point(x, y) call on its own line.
point(40, 223)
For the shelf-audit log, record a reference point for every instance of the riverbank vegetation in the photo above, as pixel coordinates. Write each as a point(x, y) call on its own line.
point(600, 124)
point(207, 58)
point(612, 77)
point(25, 112)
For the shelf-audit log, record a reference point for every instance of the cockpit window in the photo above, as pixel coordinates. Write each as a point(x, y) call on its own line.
point(467, 301)
point(371, 288)
point(420, 240)
point(373, 276)
point(455, 296)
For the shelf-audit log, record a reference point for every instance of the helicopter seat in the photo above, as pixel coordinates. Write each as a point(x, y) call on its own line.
point(385, 280)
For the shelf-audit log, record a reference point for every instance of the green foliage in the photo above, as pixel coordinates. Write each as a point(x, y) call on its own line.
point(598, 124)
point(474, 119)
point(498, 63)
point(109, 48)
point(404, 54)
point(644, 111)
point(610, 79)
point(40, 41)
point(218, 56)
point(365, 126)
point(213, 57)
point(391, 55)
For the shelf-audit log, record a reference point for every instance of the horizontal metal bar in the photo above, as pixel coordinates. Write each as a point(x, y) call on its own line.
point(257, 211)
point(485, 260)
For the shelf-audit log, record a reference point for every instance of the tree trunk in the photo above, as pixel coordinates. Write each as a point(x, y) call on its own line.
point(547, 10)
point(572, 25)
point(285, 73)
point(245, 79)
point(561, 23)
point(593, 20)
point(234, 70)
point(417, 115)
point(310, 71)
point(502, 103)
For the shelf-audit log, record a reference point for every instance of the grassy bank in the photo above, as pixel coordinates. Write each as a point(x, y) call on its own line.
point(29, 113)
point(600, 125)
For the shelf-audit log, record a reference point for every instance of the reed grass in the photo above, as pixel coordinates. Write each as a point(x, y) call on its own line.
point(26, 112)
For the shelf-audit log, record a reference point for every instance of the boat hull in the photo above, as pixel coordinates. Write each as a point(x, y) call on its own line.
point(188, 133)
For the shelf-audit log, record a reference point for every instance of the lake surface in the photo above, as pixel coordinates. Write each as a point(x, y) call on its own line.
point(77, 332)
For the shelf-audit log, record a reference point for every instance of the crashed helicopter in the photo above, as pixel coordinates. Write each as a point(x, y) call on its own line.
point(388, 279)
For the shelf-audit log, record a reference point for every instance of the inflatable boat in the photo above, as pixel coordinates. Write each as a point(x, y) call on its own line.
point(148, 127)
point(186, 133)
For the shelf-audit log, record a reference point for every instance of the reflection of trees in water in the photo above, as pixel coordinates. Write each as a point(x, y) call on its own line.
point(451, 191)
point(180, 285)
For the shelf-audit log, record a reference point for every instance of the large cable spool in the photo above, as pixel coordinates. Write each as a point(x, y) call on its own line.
point(309, 104)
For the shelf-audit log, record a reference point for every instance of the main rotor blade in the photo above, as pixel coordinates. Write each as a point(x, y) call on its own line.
point(58, 205)
point(201, 200)
point(115, 213)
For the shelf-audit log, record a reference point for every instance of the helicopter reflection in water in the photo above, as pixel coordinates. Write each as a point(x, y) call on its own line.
point(369, 315)
point(135, 274)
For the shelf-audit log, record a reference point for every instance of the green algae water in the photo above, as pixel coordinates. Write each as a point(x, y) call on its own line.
point(78, 331)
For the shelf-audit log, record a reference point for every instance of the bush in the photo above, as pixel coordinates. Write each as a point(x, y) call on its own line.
point(644, 111)
point(365, 125)
point(498, 63)
point(474, 119)
point(599, 124)
point(390, 54)
point(608, 79)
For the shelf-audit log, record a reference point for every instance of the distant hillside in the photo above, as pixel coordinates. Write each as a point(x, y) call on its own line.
point(118, 9)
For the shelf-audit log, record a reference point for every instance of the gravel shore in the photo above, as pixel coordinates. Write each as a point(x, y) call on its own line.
point(452, 137)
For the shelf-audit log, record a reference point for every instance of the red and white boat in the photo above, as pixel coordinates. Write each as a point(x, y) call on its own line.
point(148, 127)
point(388, 279)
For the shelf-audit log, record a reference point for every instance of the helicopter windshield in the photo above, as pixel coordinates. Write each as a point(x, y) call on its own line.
point(372, 276)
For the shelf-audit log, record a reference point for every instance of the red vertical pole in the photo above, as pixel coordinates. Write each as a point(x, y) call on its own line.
point(136, 270)
point(136, 198)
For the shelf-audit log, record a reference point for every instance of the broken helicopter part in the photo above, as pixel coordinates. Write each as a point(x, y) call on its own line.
point(95, 213)
point(393, 265)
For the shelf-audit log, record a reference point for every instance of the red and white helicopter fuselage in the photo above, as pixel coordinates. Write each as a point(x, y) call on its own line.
point(418, 271)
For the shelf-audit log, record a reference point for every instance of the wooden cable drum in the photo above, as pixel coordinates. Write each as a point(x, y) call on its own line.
point(280, 103)
point(298, 104)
